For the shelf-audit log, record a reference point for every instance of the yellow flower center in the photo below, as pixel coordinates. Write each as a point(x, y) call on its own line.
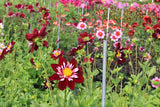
point(158, 36)
point(67, 72)
point(56, 53)
point(100, 34)
point(2, 46)
point(9, 47)
point(82, 25)
point(118, 54)
point(36, 40)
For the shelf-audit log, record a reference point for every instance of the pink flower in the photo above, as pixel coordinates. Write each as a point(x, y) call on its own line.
point(118, 33)
point(155, 82)
point(22, 15)
point(82, 5)
point(100, 34)
point(81, 25)
point(96, 49)
point(127, 41)
point(19, 6)
point(10, 14)
point(147, 56)
point(141, 48)
point(113, 38)
point(116, 44)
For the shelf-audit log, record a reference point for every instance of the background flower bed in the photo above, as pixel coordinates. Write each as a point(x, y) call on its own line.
point(128, 84)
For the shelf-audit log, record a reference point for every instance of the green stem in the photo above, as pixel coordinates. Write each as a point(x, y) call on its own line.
point(48, 85)
point(126, 98)
point(131, 64)
point(65, 98)
point(146, 88)
point(132, 104)
point(136, 61)
point(121, 94)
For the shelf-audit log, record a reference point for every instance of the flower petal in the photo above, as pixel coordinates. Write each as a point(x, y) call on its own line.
point(54, 77)
point(80, 71)
point(80, 79)
point(73, 62)
point(71, 84)
point(29, 37)
point(35, 32)
point(62, 60)
point(54, 67)
point(62, 84)
point(43, 32)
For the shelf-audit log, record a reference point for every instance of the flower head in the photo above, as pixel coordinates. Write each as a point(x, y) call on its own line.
point(118, 33)
point(57, 54)
point(113, 38)
point(85, 38)
point(35, 37)
point(2, 46)
point(100, 34)
point(141, 49)
point(1, 26)
point(74, 50)
point(67, 73)
point(147, 56)
point(81, 25)
point(155, 83)
point(10, 46)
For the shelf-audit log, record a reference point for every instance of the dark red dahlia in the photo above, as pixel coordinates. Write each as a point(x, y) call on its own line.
point(74, 50)
point(156, 33)
point(85, 38)
point(19, 6)
point(9, 47)
point(21, 15)
point(120, 56)
point(57, 54)
point(67, 73)
point(2, 53)
point(147, 19)
point(131, 32)
point(36, 37)
point(10, 14)
point(134, 25)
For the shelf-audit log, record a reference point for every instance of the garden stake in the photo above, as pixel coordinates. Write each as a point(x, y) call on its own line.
point(58, 33)
point(104, 72)
point(57, 6)
point(7, 10)
point(44, 2)
point(104, 65)
point(146, 12)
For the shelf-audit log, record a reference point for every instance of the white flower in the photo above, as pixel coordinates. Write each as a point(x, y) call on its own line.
point(1, 26)
point(81, 25)
point(100, 34)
